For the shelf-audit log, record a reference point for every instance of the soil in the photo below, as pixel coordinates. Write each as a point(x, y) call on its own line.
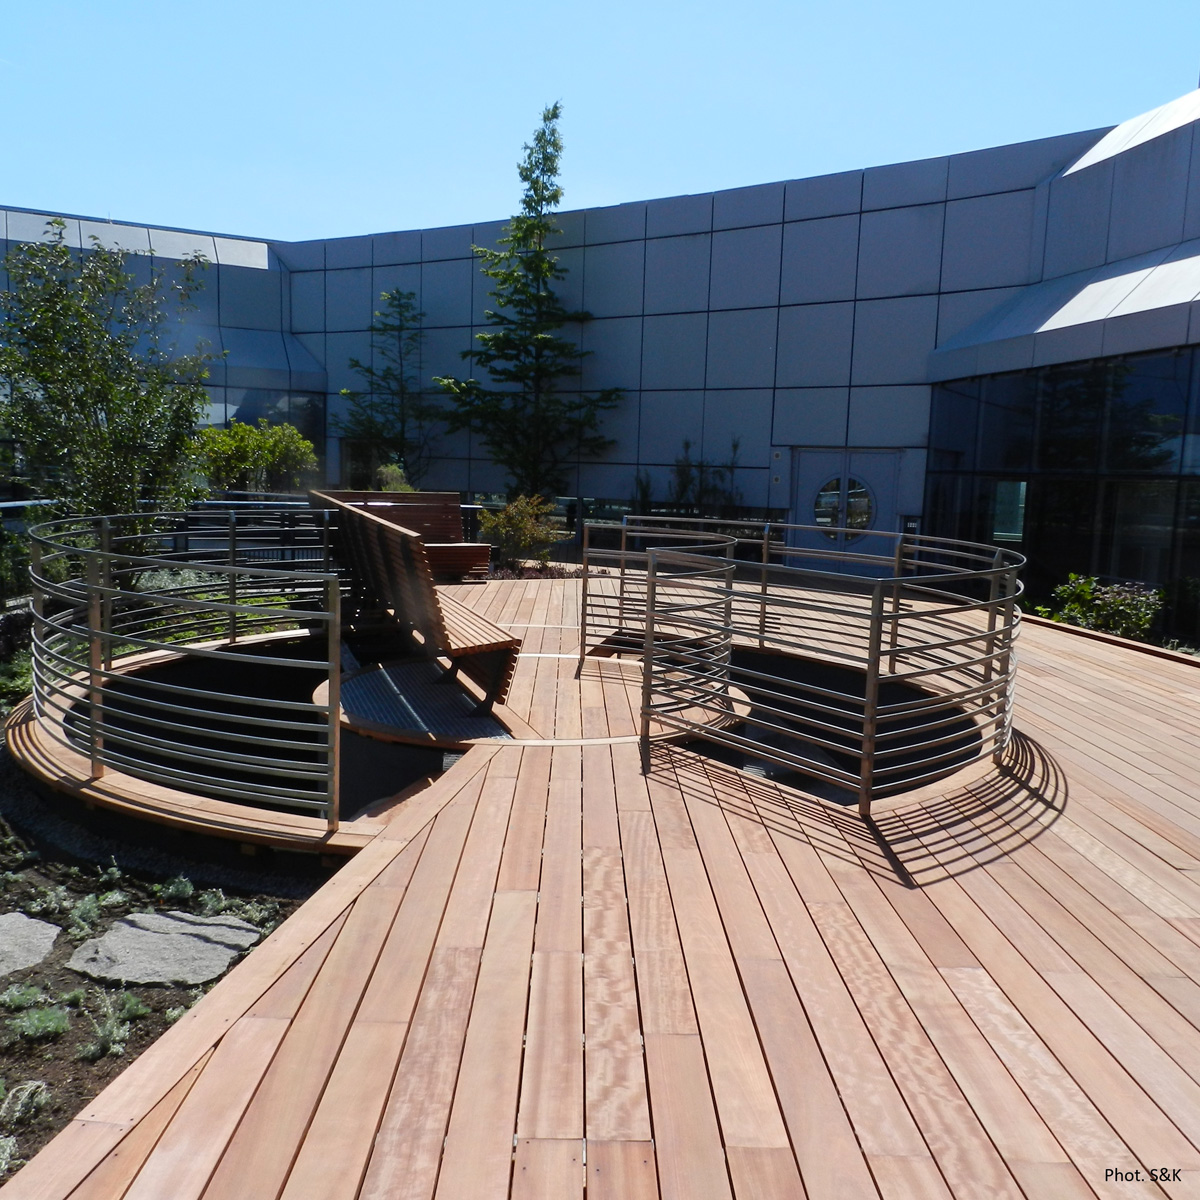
point(53, 883)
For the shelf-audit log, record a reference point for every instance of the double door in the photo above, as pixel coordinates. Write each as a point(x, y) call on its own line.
point(847, 495)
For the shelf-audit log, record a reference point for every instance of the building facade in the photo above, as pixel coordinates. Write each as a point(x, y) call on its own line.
point(994, 344)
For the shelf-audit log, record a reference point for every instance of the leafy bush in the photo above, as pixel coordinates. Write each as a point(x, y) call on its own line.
point(40, 1024)
point(16, 679)
point(1125, 609)
point(14, 564)
point(255, 458)
point(8, 1154)
point(522, 529)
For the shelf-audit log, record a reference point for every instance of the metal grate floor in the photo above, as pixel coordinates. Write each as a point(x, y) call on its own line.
point(411, 696)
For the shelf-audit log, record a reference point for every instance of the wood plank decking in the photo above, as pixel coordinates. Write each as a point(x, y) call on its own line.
point(550, 976)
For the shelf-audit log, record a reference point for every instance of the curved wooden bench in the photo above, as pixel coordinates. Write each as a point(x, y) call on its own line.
point(394, 579)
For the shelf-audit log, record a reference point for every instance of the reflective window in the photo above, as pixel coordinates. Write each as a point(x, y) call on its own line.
point(1147, 406)
point(828, 506)
point(1006, 420)
point(858, 505)
point(1072, 411)
point(835, 508)
point(1008, 520)
point(953, 426)
point(1139, 519)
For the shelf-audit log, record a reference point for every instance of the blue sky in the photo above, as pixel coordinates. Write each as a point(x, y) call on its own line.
point(298, 119)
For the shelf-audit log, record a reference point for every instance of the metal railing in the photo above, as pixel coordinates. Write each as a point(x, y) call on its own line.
point(158, 650)
point(908, 643)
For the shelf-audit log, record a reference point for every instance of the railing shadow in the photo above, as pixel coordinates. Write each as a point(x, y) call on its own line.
point(913, 844)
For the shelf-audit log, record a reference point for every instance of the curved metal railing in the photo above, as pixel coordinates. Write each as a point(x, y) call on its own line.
point(213, 592)
point(909, 640)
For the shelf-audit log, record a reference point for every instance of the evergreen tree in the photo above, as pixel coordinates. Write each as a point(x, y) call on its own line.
point(533, 419)
point(392, 422)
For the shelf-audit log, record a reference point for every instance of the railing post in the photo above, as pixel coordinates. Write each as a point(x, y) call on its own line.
point(648, 657)
point(894, 634)
point(106, 604)
point(333, 606)
point(993, 596)
point(232, 584)
point(762, 599)
point(727, 633)
point(38, 604)
point(583, 599)
point(95, 666)
point(621, 583)
point(1004, 698)
point(871, 701)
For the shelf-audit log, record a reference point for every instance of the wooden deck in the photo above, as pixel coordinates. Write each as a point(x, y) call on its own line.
point(549, 976)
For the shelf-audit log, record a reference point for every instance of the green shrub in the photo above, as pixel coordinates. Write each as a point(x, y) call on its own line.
point(111, 1029)
point(84, 915)
point(24, 1103)
point(8, 1154)
point(50, 901)
point(19, 996)
point(523, 529)
point(74, 998)
point(1125, 609)
point(40, 1024)
point(131, 1008)
point(254, 458)
point(390, 477)
point(177, 890)
point(16, 678)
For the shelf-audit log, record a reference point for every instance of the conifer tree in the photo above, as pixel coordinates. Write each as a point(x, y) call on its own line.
point(532, 416)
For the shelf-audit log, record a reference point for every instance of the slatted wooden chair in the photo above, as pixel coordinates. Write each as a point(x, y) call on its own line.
point(394, 582)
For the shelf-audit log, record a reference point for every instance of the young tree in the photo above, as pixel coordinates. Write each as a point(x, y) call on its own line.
point(101, 408)
point(531, 421)
point(392, 420)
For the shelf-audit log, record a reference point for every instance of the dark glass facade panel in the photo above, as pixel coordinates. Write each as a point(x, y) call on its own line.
point(1138, 528)
point(1060, 530)
point(1089, 467)
point(954, 426)
point(1146, 412)
point(1183, 590)
point(1071, 416)
point(1006, 422)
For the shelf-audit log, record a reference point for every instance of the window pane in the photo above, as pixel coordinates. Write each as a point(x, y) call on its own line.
point(1006, 420)
point(1139, 517)
point(953, 426)
point(1060, 520)
point(1147, 405)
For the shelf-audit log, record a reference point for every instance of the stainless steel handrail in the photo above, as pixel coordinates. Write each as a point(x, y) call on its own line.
point(117, 593)
point(932, 621)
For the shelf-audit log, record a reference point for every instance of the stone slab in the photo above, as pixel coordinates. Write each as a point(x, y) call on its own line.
point(171, 947)
point(24, 941)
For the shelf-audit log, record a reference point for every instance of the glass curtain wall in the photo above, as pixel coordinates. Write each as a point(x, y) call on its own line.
point(1090, 467)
